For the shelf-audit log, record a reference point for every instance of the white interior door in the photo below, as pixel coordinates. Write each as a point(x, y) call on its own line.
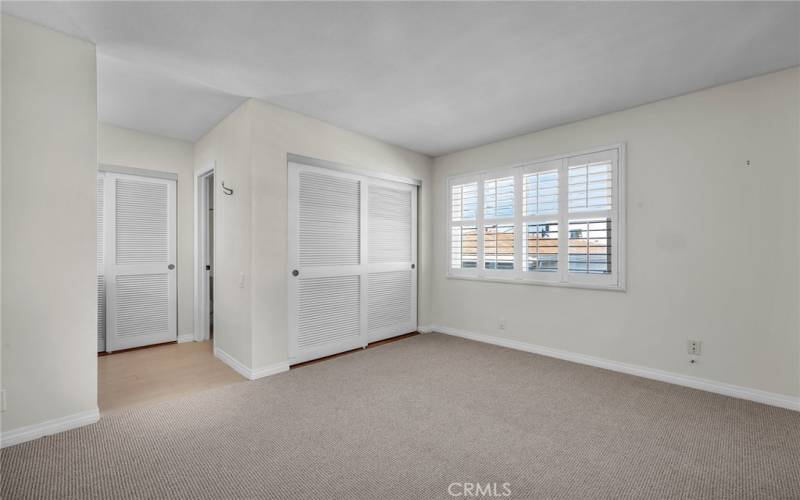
point(352, 258)
point(140, 251)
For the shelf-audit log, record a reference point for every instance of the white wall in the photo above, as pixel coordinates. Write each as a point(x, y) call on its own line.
point(49, 310)
point(124, 147)
point(228, 146)
point(251, 148)
point(277, 132)
point(712, 244)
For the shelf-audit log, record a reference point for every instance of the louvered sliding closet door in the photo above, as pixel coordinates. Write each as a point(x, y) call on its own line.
point(391, 254)
point(140, 252)
point(327, 288)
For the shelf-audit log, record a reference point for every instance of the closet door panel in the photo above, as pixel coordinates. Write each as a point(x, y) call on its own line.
point(392, 274)
point(326, 292)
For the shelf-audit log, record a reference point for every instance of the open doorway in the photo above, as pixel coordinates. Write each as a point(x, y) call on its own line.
point(137, 271)
point(204, 297)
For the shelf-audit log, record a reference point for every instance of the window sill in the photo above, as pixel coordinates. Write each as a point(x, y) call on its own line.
point(558, 284)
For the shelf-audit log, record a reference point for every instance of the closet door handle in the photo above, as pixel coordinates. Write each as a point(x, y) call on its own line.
point(171, 267)
point(295, 272)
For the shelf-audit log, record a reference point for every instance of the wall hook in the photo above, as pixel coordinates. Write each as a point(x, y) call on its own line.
point(228, 191)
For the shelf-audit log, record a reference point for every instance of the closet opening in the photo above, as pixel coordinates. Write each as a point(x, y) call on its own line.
point(204, 256)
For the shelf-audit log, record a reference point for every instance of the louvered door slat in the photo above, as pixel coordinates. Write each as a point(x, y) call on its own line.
point(142, 222)
point(330, 311)
point(390, 309)
point(389, 232)
point(329, 217)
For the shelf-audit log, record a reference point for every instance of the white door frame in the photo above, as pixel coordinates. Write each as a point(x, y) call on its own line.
point(201, 289)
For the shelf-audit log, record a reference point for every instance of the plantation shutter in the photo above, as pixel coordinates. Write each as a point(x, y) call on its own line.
point(591, 216)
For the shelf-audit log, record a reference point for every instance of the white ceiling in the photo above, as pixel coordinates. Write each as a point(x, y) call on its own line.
point(433, 77)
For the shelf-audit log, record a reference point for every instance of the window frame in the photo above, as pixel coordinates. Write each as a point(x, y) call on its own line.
point(615, 280)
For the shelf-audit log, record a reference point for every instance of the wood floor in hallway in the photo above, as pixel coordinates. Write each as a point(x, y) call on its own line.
point(158, 373)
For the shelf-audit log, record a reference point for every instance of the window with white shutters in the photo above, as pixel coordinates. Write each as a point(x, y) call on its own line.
point(541, 247)
point(540, 220)
point(540, 192)
point(498, 196)
point(463, 225)
point(464, 247)
point(558, 221)
point(499, 202)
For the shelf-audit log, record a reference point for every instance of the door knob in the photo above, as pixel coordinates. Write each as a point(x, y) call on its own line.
point(171, 267)
point(295, 272)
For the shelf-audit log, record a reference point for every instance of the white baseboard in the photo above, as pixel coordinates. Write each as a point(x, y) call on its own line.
point(248, 373)
point(266, 371)
point(229, 360)
point(185, 337)
point(30, 432)
point(769, 398)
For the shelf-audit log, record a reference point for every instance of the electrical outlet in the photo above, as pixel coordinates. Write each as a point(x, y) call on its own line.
point(693, 347)
point(502, 324)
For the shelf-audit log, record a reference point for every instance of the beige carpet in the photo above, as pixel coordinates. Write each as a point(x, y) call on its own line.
point(407, 419)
